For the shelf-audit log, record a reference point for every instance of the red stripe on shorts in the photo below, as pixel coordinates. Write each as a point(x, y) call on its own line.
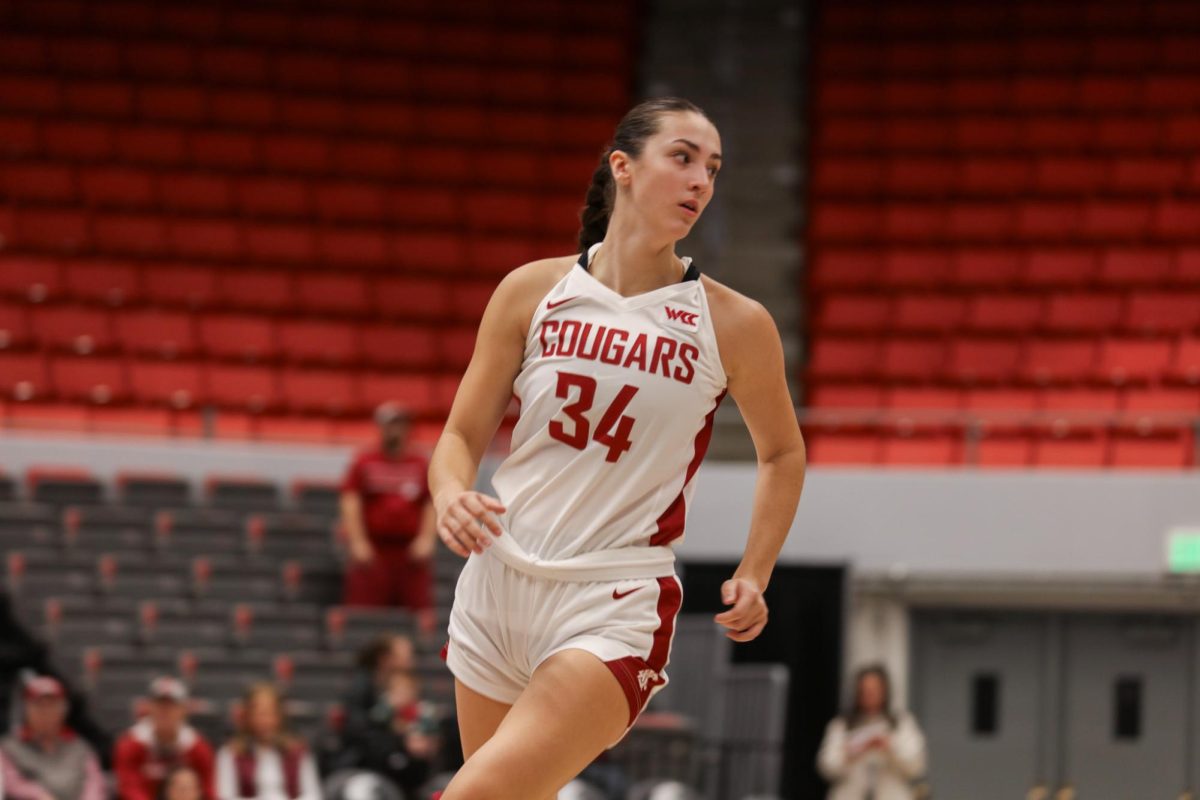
point(638, 676)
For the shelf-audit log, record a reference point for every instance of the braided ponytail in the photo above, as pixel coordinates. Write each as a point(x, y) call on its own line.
point(599, 202)
point(633, 130)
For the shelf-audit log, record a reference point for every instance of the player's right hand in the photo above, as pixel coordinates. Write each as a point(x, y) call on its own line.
point(466, 521)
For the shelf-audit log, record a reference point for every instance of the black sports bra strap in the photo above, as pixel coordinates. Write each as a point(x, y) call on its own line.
point(692, 273)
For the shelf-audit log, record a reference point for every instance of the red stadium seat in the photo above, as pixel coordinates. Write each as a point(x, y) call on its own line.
point(923, 398)
point(256, 289)
point(843, 449)
point(1083, 450)
point(404, 346)
point(1080, 399)
point(30, 278)
point(167, 334)
point(930, 313)
point(272, 196)
point(241, 337)
point(1005, 450)
point(842, 396)
point(23, 376)
point(350, 201)
point(310, 341)
point(867, 313)
point(412, 298)
point(983, 360)
point(415, 392)
point(1134, 360)
point(14, 327)
point(1082, 312)
point(456, 346)
point(1004, 313)
point(178, 285)
point(97, 380)
point(293, 244)
point(853, 359)
point(921, 451)
point(168, 383)
point(39, 183)
point(321, 390)
point(837, 268)
point(117, 187)
point(1186, 364)
point(1164, 450)
point(1163, 312)
point(355, 247)
point(917, 268)
point(153, 144)
point(204, 192)
point(1135, 267)
point(912, 359)
point(1055, 361)
point(332, 293)
point(81, 329)
point(241, 387)
point(112, 282)
point(1167, 399)
point(130, 234)
point(1060, 267)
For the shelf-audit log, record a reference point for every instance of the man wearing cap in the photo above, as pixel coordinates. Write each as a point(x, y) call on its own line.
point(159, 743)
point(388, 520)
point(44, 759)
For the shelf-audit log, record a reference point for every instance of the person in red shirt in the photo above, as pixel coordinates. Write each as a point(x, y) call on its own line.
point(388, 520)
point(160, 743)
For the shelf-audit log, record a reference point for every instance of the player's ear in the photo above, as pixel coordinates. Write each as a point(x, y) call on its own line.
point(622, 166)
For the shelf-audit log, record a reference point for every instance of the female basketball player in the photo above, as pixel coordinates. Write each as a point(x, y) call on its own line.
point(564, 613)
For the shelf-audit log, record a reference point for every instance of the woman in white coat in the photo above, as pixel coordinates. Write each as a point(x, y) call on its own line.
point(871, 752)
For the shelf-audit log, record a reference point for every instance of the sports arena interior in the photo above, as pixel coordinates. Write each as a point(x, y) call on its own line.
point(229, 231)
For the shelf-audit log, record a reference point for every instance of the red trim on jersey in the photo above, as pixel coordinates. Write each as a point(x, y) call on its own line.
point(670, 524)
point(629, 669)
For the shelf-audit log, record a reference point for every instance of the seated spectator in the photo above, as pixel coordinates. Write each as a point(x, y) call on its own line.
point(160, 743)
point(181, 783)
point(263, 760)
point(382, 656)
point(400, 738)
point(45, 760)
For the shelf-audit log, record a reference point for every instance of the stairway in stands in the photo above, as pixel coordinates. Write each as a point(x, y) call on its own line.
point(281, 213)
point(138, 579)
point(1005, 234)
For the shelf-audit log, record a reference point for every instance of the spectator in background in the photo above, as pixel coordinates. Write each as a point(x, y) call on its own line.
point(382, 656)
point(263, 761)
point(389, 523)
point(398, 738)
point(45, 760)
point(181, 783)
point(159, 743)
point(872, 752)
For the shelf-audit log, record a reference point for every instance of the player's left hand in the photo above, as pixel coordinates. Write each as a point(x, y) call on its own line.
point(748, 616)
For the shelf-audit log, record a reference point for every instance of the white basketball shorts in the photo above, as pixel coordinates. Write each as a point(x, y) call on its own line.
point(505, 622)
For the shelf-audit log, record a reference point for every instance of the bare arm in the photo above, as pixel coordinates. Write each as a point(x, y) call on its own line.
point(423, 545)
point(356, 531)
point(479, 405)
point(758, 384)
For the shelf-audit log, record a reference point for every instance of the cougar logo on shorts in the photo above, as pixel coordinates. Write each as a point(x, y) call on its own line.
point(645, 677)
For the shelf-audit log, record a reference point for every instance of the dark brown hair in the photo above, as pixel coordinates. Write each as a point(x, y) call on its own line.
point(638, 125)
point(855, 714)
point(243, 740)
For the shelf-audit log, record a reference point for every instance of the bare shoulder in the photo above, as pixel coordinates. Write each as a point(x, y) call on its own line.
point(518, 294)
point(742, 325)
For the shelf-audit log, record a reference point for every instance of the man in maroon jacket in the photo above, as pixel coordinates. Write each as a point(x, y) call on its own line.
point(389, 523)
point(159, 743)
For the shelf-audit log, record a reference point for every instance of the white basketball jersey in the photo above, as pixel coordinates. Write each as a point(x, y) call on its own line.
point(617, 401)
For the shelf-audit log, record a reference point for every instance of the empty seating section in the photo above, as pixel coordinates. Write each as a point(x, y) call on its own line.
point(1004, 234)
point(280, 213)
point(222, 584)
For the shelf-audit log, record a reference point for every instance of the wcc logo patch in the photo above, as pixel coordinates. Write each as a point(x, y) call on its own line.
point(681, 319)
